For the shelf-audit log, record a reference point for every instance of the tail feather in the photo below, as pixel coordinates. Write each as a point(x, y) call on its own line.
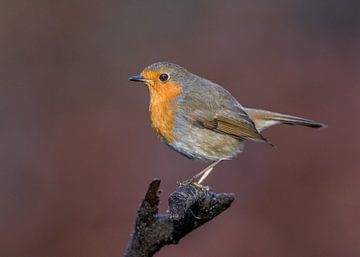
point(264, 119)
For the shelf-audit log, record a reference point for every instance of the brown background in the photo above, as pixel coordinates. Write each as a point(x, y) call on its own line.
point(77, 151)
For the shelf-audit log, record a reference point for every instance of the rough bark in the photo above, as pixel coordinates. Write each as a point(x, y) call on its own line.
point(189, 207)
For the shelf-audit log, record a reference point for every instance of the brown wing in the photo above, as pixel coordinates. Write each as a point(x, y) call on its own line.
point(241, 129)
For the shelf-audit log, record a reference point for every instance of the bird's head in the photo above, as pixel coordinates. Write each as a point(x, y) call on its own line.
point(163, 78)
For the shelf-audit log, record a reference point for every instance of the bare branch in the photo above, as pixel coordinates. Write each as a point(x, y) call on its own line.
point(189, 207)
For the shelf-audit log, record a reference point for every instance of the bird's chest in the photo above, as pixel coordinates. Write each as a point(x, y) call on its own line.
point(162, 120)
point(162, 113)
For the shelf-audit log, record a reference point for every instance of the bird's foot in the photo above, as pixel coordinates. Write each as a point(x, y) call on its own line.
point(194, 183)
point(187, 182)
point(202, 187)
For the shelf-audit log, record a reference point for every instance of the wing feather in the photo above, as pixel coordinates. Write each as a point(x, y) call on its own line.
point(240, 129)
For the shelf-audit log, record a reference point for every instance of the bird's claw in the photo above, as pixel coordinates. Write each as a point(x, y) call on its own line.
point(192, 182)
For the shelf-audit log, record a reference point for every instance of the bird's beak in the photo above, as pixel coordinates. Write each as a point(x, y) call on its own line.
point(137, 78)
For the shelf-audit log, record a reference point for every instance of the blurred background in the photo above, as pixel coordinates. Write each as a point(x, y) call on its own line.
point(77, 151)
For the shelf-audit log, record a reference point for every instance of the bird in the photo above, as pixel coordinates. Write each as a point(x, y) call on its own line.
point(201, 119)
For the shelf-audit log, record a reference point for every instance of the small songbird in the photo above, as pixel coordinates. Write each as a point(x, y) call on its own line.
point(200, 119)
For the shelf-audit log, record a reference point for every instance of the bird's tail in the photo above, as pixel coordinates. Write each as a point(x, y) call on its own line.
point(264, 119)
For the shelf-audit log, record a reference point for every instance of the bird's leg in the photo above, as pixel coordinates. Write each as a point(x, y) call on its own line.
point(205, 172)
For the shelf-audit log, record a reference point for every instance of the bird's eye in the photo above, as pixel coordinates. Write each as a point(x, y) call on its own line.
point(164, 77)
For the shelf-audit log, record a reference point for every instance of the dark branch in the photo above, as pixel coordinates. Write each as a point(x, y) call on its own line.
point(189, 207)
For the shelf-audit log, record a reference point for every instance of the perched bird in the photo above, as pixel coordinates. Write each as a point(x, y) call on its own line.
point(200, 119)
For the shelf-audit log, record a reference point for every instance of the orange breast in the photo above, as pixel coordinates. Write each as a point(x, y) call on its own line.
point(162, 108)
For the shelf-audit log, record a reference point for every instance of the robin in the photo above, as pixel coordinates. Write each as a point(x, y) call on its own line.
point(200, 119)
